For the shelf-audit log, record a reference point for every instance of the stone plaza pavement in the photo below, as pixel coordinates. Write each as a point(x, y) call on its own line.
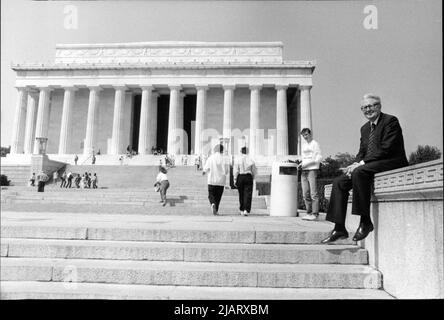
point(140, 256)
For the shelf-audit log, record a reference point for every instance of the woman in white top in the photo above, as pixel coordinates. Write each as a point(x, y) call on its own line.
point(311, 159)
point(162, 179)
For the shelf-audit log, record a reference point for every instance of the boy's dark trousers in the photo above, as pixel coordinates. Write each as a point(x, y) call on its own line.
point(215, 194)
point(244, 185)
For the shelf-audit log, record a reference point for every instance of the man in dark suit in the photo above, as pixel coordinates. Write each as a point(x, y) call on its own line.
point(381, 149)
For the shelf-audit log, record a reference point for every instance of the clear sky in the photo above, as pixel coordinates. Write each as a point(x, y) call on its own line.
point(401, 60)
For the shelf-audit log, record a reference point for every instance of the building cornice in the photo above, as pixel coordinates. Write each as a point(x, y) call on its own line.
point(27, 66)
point(170, 44)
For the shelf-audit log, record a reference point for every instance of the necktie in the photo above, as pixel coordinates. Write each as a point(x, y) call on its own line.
point(371, 147)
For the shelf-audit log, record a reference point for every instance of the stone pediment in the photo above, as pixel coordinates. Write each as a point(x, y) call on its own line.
point(175, 52)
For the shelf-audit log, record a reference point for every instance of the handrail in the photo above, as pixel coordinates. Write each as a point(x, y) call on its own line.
point(90, 156)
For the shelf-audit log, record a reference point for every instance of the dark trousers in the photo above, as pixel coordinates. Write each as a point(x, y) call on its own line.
point(69, 183)
point(62, 184)
point(361, 182)
point(164, 185)
point(215, 194)
point(245, 187)
point(41, 186)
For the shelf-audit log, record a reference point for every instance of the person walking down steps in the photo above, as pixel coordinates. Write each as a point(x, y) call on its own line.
point(163, 184)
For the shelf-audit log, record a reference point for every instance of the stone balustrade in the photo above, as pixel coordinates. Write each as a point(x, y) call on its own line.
point(407, 243)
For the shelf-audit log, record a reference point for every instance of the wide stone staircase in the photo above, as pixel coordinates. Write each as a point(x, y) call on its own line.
point(120, 243)
point(62, 255)
point(18, 175)
point(127, 189)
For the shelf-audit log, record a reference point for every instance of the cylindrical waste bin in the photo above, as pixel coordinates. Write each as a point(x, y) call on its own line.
point(284, 189)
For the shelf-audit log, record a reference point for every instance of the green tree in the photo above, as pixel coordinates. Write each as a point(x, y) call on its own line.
point(330, 167)
point(424, 154)
point(345, 159)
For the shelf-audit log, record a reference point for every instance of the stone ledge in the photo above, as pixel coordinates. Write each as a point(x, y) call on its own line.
point(416, 182)
point(421, 181)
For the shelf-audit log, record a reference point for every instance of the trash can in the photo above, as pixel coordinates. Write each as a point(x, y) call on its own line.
point(284, 189)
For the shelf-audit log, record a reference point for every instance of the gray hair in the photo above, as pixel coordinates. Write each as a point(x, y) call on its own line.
point(371, 96)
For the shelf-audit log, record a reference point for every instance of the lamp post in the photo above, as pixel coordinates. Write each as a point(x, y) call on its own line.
point(42, 142)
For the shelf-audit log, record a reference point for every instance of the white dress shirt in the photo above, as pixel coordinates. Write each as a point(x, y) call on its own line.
point(217, 167)
point(243, 164)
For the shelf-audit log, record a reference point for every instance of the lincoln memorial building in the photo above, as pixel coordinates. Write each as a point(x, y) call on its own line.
point(176, 97)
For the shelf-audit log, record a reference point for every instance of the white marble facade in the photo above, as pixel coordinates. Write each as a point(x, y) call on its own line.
point(87, 100)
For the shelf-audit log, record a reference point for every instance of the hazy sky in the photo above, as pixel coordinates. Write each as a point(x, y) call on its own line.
point(401, 60)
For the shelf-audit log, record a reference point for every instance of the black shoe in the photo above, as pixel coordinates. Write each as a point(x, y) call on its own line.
point(363, 231)
point(335, 235)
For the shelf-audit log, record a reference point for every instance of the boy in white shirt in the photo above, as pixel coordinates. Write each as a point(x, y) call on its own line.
point(217, 167)
point(311, 159)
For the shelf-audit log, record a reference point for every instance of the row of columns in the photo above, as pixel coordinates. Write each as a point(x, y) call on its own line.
point(26, 130)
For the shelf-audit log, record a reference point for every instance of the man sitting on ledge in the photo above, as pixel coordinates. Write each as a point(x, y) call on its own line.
point(381, 149)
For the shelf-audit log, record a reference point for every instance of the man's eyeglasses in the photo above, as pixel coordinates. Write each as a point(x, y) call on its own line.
point(370, 106)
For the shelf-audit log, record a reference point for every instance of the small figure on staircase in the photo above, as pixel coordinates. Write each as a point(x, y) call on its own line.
point(63, 178)
point(95, 181)
point(89, 180)
point(41, 181)
point(83, 182)
point(55, 177)
point(77, 180)
point(164, 184)
point(68, 182)
point(32, 180)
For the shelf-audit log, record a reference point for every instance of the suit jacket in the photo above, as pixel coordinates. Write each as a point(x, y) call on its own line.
point(389, 142)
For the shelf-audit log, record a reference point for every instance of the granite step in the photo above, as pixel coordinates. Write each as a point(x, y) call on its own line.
point(148, 203)
point(191, 273)
point(172, 208)
point(67, 290)
point(122, 197)
point(165, 232)
point(51, 190)
point(177, 251)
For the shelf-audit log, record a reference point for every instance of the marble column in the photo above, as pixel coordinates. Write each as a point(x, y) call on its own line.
point(19, 121)
point(173, 147)
point(305, 107)
point(30, 121)
point(119, 103)
point(42, 123)
point(201, 101)
point(65, 127)
point(179, 126)
point(152, 111)
point(255, 101)
point(144, 128)
point(281, 121)
point(228, 115)
point(91, 130)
